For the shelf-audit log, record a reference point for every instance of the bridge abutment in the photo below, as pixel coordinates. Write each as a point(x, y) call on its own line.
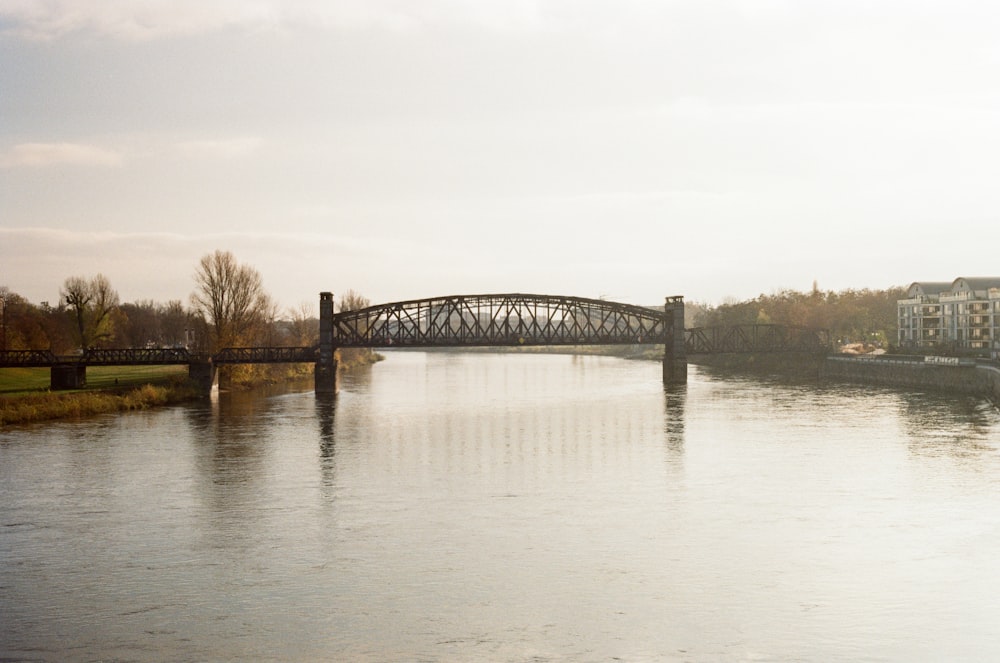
point(674, 352)
point(325, 372)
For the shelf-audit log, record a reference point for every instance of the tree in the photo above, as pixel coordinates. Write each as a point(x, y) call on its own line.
point(230, 297)
point(5, 296)
point(175, 323)
point(91, 304)
point(139, 324)
point(303, 325)
point(846, 315)
point(353, 301)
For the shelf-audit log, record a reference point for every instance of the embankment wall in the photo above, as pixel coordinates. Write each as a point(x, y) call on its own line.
point(967, 377)
point(792, 364)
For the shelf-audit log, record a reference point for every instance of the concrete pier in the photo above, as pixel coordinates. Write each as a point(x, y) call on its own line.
point(675, 352)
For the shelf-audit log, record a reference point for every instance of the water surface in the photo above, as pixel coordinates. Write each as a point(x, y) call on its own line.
point(468, 507)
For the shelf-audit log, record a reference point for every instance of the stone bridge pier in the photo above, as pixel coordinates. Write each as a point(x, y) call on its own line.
point(203, 373)
point(325, 371)
point(67, 376)
point(675, 369)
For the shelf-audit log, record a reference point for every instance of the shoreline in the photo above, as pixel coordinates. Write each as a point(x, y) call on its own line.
point(42, 406)
point(38, 407)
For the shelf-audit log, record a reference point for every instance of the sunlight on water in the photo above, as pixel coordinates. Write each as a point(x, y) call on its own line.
point(467, 507)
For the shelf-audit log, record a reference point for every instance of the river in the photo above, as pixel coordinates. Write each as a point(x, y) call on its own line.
point(509, 507)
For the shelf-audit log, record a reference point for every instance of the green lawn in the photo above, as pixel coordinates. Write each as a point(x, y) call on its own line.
point(22, 380)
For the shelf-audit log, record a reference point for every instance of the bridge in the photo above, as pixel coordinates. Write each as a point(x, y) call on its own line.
point(756, 338)
point(515, 319)
point(455, 321)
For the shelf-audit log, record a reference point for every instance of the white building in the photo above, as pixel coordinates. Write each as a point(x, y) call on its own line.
point(961, 315)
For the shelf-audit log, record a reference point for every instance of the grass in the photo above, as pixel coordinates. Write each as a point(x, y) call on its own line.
point(15, 381)
point(25, 395)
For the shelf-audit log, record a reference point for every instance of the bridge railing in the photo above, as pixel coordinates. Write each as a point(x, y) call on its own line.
point(754, 338)
point(27, 358)
point(266, 355)
point(135, 356)
point(157, 357)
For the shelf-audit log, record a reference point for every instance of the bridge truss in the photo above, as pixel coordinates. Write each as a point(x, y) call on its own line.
point(266, 355)
point(157, 357)
point(499, 320)
point(755, 338)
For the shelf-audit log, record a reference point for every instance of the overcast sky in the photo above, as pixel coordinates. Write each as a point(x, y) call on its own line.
point(629, 149)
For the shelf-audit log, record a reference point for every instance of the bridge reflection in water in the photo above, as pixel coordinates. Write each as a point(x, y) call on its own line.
point(500, 320)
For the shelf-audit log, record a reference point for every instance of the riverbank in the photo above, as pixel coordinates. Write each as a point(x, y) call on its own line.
point(33, 407)
point(122, 389)
point(951, 374)
point(799, 365)
point(966, 376)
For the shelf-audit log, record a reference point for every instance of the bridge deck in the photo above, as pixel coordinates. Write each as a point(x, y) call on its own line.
point(708, 340)
point(155, 357)
point(754, 339)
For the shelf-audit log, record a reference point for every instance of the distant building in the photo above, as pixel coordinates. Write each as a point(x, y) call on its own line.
point(961, 315)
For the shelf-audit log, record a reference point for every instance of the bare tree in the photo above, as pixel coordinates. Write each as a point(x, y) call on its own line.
point(139, 324)
point(91, 303)
point(353, 301)
point(5, 296)
point(175, 323)
point(230, 297)
point(267, 331)
point(304, 325)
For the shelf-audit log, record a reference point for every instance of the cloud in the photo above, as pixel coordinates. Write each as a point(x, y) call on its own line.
point(233, 148)
point(40, 155)
point(152, 19)
point(125, 19)
point(160, 265)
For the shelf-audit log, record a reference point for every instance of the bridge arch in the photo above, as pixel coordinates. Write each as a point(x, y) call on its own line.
point(499, 320)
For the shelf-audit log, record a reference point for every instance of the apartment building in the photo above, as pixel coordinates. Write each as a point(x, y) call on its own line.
point(961, 315)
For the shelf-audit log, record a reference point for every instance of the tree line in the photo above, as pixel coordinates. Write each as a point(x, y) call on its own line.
point(850, 316)
point(229, 307)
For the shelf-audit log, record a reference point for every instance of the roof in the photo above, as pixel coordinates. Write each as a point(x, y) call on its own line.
point(978, 283)
point(928, 288)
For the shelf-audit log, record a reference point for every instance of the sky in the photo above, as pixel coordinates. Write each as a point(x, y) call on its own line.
point(624, 149)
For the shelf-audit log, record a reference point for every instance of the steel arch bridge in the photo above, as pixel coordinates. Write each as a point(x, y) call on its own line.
point(499, 320)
